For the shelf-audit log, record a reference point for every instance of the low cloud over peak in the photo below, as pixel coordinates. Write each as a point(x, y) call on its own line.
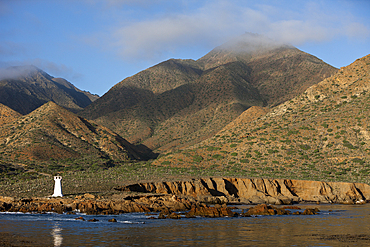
point(214, 23)
point(14, 72)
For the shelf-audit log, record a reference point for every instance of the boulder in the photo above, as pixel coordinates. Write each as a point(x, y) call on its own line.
point(264, 209)
point(310, 211)
point(206, 211)
point(93, 220)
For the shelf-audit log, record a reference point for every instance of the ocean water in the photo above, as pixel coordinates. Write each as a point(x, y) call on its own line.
point(335, 225)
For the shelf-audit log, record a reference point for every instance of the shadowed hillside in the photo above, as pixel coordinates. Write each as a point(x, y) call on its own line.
point(30, 87)
point(322, 134)
point(181, 102)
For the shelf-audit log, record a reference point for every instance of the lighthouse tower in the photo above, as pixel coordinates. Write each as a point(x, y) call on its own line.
point(58, 186)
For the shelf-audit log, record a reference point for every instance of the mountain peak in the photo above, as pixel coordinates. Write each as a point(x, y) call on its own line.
point(251, 42)
point(28, 87)
point(245, 48)
point(15, 72)
point(50, 106)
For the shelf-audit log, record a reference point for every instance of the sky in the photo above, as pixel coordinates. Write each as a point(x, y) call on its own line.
point(95, 44)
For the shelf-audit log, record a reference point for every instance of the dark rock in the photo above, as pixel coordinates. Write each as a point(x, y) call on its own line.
point(174, 216)
point(161, 216)
point(93, 220)
point(264, 209)
point(206, 211)
point(310, 211)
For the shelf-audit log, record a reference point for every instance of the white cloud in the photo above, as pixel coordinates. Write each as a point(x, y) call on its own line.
point(18, 68)
point(356, 29)
point(297, 31)
point(218, 21)
point(15, 71)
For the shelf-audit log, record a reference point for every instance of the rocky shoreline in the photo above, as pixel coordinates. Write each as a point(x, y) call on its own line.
point(167, 206)
point(208, 197)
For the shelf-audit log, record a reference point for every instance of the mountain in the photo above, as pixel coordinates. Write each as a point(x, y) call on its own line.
point(181, 102)
point(54, 136)
point(25, 88)
point(322, 134)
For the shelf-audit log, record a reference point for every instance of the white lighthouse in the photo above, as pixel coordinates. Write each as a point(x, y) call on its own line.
point(57, 186)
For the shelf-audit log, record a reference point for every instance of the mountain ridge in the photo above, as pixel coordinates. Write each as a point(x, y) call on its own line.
point(24, 88)
point(150, 107)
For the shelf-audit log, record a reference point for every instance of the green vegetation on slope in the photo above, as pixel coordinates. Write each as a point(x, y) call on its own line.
point(323, 134)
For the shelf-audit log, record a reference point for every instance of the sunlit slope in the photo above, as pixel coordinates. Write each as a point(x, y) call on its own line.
point(53, 135)
point(324, 133)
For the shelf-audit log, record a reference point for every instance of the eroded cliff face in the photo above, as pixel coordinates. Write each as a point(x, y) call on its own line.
point(274, 191)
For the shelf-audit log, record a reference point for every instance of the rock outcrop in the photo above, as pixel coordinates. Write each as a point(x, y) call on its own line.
point(88, 205)
point(256, 191)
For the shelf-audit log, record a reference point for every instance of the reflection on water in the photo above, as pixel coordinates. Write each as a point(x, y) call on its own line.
point(56, 232)
point(336, 225)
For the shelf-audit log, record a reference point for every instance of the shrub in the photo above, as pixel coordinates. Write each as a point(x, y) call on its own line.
point(197, 158)
point(292, 132)
point(325, 125)
point(358, 160)
point(364, 171)
point(348, 145)
point(305, 147)
point(217, 156)
point(213, 148)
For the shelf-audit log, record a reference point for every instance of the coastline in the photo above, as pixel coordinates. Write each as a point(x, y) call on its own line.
point(208, 195)
point(190, 199)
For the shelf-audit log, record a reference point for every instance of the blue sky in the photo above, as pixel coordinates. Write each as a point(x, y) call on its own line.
point(95, 44)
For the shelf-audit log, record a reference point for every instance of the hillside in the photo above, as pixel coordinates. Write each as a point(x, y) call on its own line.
point(54, 138)
point(178, 103)
point(322, 134)
point(30, 87)
point(7, 115)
